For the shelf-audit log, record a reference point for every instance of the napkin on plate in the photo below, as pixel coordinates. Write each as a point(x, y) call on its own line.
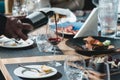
point(75, 25)
point(90, 26)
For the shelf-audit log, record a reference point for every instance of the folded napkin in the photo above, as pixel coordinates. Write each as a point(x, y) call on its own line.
point(90, 26)
point(76, 25)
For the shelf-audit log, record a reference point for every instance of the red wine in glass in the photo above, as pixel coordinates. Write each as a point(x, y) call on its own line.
point(54, 41)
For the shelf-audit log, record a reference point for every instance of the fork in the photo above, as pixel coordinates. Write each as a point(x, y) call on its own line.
point(29, 69)
point(16, 41)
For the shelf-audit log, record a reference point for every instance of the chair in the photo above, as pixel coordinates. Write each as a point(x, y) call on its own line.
point(2, 8)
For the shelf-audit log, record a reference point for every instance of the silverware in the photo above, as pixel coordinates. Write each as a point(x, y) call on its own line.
point(16, 41)
point(29, 68)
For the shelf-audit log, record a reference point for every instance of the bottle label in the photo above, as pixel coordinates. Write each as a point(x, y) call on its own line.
point(36, 16)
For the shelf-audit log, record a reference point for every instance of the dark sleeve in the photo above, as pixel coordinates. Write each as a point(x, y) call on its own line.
point(3, 20)
point(88, 5)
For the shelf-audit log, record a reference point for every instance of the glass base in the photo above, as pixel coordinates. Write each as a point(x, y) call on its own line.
point(54, 64)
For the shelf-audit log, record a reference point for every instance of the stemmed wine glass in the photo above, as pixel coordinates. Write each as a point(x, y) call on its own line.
point(54, 37)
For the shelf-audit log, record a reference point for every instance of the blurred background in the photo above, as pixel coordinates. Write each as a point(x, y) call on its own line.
point(7, 5)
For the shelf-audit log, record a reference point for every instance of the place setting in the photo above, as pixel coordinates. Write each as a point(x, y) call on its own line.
point(12, 43)
point(88, 42)
point(34, 71)
point(78, 68)
point(94, 45)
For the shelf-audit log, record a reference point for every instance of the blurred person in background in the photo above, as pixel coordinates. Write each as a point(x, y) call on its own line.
point(70, 4)
point(73, 4)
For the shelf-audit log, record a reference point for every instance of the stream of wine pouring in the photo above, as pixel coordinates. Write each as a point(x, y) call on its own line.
point(56, 25)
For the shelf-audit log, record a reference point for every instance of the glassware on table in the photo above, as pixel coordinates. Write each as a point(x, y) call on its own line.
point(75, 68)
point(43, 43)
point(35, 5)
point(19, 8)
point(44, 47)
point(108, 12)
point(54, 37)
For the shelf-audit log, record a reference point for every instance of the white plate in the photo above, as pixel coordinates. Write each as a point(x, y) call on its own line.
point(10, 43)
point(65, 33)
point(20, 72)
point(70, 15)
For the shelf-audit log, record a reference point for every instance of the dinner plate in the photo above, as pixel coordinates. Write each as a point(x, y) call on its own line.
point(12, 43)
point(77, 44)
point(68, 28)
point(65, 33)
point(70, 15)
point(23, 73)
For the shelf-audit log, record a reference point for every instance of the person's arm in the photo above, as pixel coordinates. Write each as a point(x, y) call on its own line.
point(3, 20)
point(12, 27)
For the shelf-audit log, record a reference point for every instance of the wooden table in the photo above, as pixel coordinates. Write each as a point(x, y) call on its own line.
point(66, 50)
point(62, 46)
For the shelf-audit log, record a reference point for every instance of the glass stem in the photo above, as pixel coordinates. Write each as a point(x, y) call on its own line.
point(54, 53)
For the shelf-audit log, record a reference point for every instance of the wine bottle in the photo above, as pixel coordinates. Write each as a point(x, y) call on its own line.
point(37, 19)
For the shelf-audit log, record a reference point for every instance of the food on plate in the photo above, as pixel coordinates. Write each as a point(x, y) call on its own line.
point(67, 30)
point(46, 69)
point(14, 44)
point(114, 63)
point(95, 44)
point(58, 17)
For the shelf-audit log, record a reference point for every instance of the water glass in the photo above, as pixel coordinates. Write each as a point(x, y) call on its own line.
point(74, 67)
point(108, 12)
point(43, 44)
point(19, 8)
point(35, 5)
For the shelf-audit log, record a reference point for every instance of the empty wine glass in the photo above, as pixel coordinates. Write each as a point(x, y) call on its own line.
point(75, 68)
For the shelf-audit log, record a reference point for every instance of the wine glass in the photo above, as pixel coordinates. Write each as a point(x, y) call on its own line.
point(75, 68)
point(54, 37)
point(44, 46)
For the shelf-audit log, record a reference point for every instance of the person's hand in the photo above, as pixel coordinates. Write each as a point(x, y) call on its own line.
point(14, 28)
